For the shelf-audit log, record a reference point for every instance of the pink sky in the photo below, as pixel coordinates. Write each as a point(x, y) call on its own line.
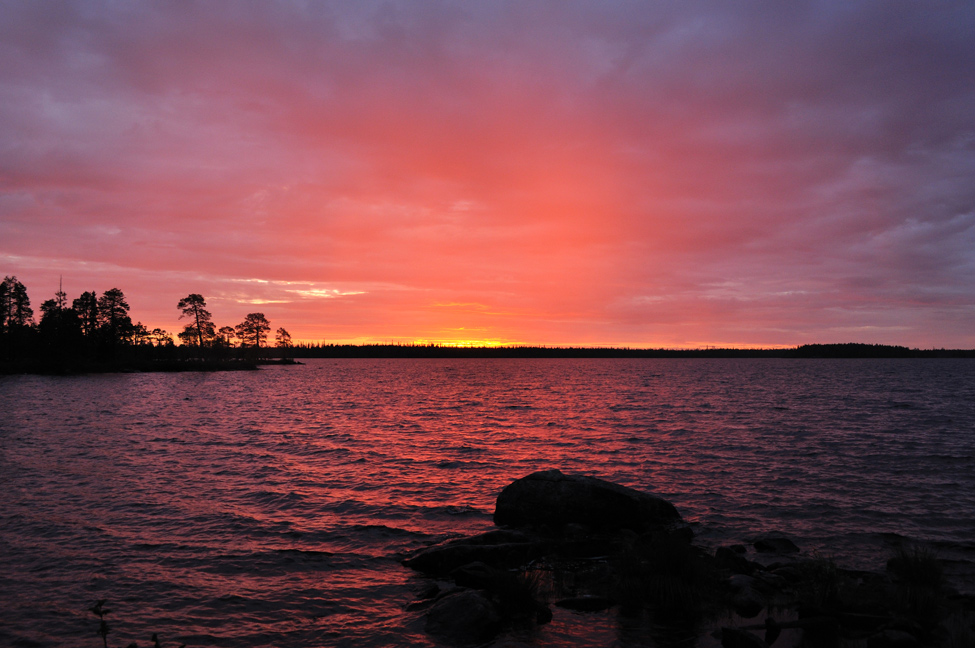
point(626, 173)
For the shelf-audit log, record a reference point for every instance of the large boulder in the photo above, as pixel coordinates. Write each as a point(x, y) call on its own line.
point(550, 498)
point(462, 618)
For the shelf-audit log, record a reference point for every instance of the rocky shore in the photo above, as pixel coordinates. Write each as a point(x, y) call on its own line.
point(594, 547)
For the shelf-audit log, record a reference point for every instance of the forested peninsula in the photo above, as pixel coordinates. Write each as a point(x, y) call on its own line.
point(95, 333)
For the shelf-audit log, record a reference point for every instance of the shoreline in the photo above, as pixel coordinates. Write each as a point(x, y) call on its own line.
point(588, 546)
point(810, 351)
point(156, 359)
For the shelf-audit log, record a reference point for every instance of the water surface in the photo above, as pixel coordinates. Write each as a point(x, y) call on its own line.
point(271, 508)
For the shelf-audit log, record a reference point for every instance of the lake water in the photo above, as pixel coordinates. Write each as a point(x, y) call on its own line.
point(272, 508)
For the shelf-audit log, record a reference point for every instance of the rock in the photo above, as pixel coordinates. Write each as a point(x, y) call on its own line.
point(893, 639)
point(791, 573)
point(735, 638)
point(775, 544)
point(463, 618)
point(576, 531)
point(425, 597)
point(747, 603)
point(496, 537)
point(770, 582)
point(499, 548)
point(772, 630)
point(417, 606)
point(739, 582)
point(820, 630)
point(550, 498)
point(543, 615)
point(476, 575)
point(428, 591)
point(585, 603)
point(728, 558)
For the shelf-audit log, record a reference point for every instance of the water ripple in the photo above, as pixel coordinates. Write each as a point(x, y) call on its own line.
point(270, 508)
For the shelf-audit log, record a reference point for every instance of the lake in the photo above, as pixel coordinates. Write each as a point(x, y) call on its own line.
point(272, 508)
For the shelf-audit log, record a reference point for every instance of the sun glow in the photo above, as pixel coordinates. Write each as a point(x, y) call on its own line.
point(466, 344)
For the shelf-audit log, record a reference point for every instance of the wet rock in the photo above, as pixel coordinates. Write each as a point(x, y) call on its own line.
point(775, 544)
point(550, 498)
point(428, 591)
point(736, 638)
point(498, 536)
point(417, 606)
point(462, 618)
point(425, 597)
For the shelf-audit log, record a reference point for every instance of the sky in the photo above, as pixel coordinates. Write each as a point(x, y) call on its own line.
point(643, 174)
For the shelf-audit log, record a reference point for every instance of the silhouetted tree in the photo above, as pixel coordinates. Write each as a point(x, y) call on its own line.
point(200, 330)
point(15, 310)
point(161, 337)
point(227, 335)
point(59, 329)
point(113, 317)
point(282, 340)
point(16, 319)
point(253, 330)
point(139, 335)
point(86, 307)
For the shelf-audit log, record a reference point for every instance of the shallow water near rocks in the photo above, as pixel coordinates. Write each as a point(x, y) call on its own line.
point(272, 508)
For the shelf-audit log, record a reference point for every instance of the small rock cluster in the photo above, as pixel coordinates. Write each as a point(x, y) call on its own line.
point(588, 545)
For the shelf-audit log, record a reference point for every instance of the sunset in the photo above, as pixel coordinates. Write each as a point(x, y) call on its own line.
point(507, 173)
point(493, 324)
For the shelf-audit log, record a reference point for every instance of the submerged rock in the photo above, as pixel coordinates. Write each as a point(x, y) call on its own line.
point(551, 498)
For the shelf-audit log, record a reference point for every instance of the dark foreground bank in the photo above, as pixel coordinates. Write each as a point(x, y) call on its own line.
point(588, 545)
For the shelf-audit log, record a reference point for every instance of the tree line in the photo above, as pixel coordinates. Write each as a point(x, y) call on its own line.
point(98, 329)
point(201, 332)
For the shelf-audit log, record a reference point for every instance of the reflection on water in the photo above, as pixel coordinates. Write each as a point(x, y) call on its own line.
point(271, 508)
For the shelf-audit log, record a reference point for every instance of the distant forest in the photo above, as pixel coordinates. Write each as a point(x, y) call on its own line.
point(96, 333)
point(850, 350)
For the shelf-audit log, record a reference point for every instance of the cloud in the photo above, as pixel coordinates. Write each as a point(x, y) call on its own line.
point(622, 172)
